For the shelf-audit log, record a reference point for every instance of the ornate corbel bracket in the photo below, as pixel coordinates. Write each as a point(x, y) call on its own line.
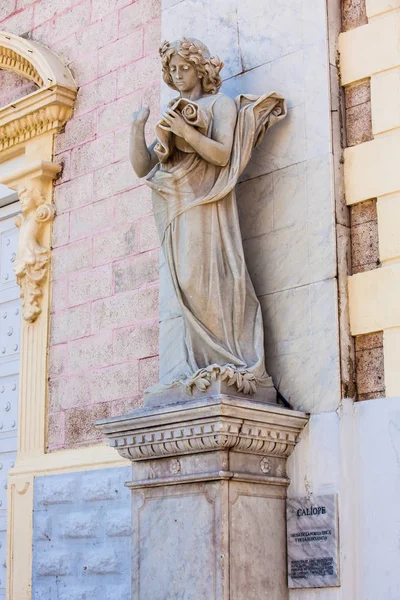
point(33, 253)
point(32, 261)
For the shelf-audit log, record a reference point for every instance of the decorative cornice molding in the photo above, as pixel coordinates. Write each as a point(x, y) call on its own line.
point(43, 111)
point(38, 171)
point(204, 426)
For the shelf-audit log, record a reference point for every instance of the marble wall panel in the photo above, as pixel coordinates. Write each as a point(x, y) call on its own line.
point(293, 241)
point(189, 521)
point(301, 332)
point(284, 75)
point(216, 26)
point(286, 195)
point(268, 30)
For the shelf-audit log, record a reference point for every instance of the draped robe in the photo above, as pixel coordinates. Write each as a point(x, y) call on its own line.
point(197, 220)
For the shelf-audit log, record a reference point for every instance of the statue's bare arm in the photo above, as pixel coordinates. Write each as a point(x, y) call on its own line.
point(142, 158)
point(217, 149)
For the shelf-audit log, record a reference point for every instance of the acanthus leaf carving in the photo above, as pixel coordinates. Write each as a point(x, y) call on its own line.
point(32, 260)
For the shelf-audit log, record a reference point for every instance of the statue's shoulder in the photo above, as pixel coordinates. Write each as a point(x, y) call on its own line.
point(219, 100)
point(224, 105)
point(224, 100)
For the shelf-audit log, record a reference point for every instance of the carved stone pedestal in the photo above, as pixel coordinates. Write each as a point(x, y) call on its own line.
point(209, 488)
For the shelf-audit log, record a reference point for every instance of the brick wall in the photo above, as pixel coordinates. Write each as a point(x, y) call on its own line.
point(104, 340)
point(363, 217)
point(13, 87)
point(81, 536)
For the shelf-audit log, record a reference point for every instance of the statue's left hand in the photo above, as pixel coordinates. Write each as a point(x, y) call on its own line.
point(172, 121)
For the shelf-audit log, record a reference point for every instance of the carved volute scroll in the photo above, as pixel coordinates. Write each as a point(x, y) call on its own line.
point(32, 261)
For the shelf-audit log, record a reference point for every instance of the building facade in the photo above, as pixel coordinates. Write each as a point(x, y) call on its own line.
point(318, 207)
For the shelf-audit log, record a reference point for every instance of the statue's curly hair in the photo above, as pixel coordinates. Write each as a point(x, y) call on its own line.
point(197, 53)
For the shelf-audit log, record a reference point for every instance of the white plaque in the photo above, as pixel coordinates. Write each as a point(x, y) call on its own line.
point(312, 541)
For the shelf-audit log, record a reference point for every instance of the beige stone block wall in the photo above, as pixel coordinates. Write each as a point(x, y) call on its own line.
point(371, 52)
point(363, 215)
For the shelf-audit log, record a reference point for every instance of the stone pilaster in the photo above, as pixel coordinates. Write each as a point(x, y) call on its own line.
point(209, 487)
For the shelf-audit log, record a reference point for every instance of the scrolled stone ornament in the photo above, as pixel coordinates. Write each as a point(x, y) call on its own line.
point(32, 260)
point(204, 142)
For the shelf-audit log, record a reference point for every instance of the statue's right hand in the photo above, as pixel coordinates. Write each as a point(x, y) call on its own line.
point(140, 116)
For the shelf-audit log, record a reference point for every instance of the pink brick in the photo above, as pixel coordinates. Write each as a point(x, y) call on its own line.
point(95, 94)
point(113, 244)
point(75, 193)
point(73, 257)
point(113, 179)
point(79, 428)
point(56, 434)
point(138, 13)
point(125, 309)
point(63, 159)
point(77, 131)
point(101, 8)
point(92, 155)
point(18, 23)
point(95, 36)
point(118, 113)
point(60, 233)
point(24, 3)
point(132, 205)
point(47, 9)
point(85, 72)
point(115, 382)
point(91, 218)
point(89, 352)
point(121, 142)
point(65, 48)
point(136, 271)
point(59, 293)
point(148, 234)
point(101, 205)
point(58, 361)
point(148, 372)
point(7, 7)
point(121, 52)
point(138, 74)
point(90, 285)
point(13, 87)
point(152, 36)
point(125, 405)
point(70, 324)
point(136, 342)
point(71, 21)
point(67, 393)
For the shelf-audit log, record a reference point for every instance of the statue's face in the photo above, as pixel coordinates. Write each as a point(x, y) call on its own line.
point(183, 73)
point(27, 201)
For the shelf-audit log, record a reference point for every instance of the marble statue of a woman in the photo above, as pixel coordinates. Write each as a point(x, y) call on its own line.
point(204, 142)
